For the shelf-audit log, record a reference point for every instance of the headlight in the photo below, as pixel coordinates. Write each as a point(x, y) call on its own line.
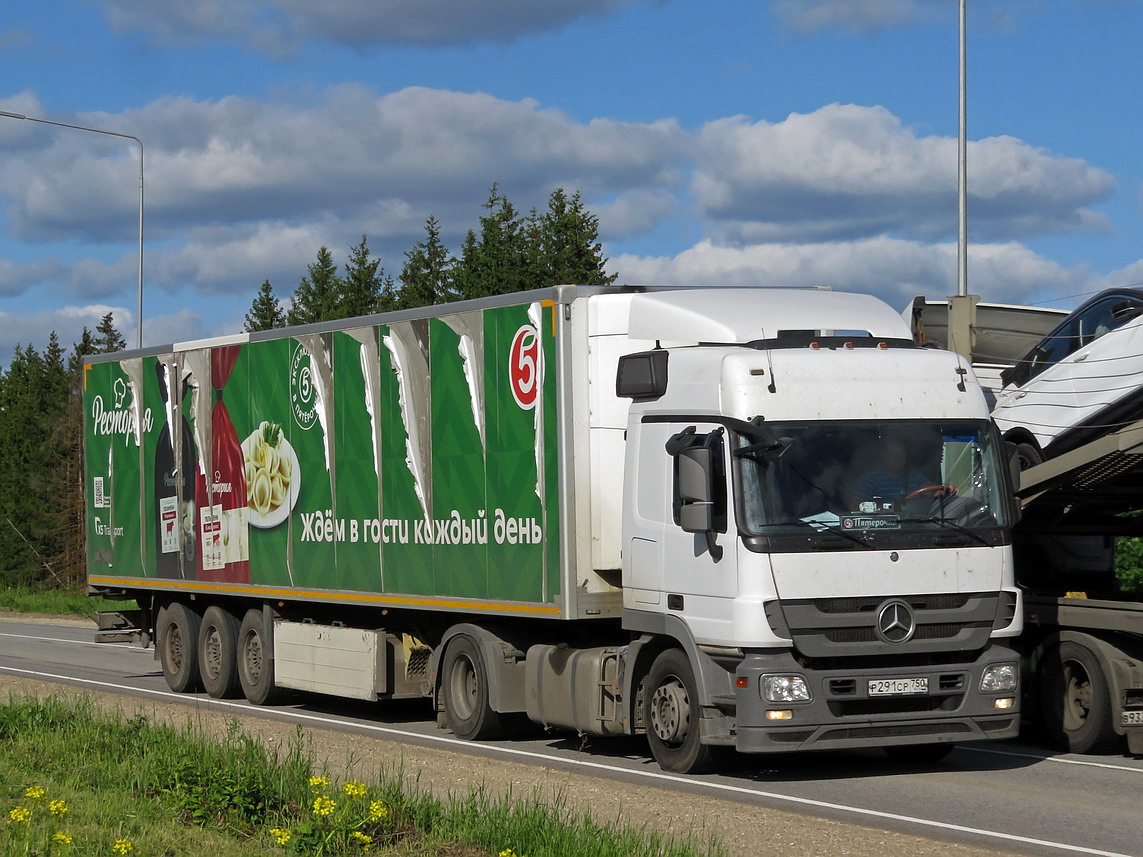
point(784, 688)
point(998, 678)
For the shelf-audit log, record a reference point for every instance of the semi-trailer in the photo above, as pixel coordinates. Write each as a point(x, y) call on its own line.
point(726, 518)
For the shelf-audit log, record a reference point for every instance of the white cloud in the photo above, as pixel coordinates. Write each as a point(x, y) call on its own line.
point(846, 171)
point(279, 26)
point(862, 16)
point(239, 191)
point(417, 151)
point(893, 269)
point(68, 323)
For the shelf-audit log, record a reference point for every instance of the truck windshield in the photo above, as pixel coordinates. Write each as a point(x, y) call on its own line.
point(897, 484)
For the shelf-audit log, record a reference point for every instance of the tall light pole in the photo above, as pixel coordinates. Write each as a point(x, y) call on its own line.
point(962, 160)
point(139, 320)
point(962, 306)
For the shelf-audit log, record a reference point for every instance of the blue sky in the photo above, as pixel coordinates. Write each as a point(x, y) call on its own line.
point(772, 142)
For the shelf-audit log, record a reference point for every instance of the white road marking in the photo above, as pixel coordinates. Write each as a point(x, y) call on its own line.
point(1059, 760)
point(578, 763)
point(76, 642)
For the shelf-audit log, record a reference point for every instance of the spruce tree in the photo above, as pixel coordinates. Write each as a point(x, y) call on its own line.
point(315, 298)
point(362, 285)
point(496, 263)
point(564, 244)
point(266, 311)
point(427, 277)
point(108, 337)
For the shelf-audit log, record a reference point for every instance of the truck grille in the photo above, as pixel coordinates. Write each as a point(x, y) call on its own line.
point(845, 627)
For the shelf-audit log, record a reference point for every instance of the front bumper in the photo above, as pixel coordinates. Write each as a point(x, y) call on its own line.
point(842, 713)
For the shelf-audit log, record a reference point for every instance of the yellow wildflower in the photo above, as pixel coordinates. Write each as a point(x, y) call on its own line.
point(377, 810)
point(319, 782)
point(20, 814)
point(507, 852)
point(361, 838)
point(354, 789)
point(61, 838)
point(122, 846)
point(57, 807)
point(34, 792)
point(280, 835)
point(324, 806)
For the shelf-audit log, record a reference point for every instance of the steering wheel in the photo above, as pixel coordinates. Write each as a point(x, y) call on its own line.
point(935, 490)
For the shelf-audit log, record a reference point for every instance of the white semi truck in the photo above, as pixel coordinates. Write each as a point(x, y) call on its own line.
point(745, 518)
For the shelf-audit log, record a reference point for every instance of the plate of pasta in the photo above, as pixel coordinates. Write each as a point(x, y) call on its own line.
point(272, 476)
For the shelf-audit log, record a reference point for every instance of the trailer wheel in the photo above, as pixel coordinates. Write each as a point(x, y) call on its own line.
point(1076, 702)
point(176, 634)
point(218, 652)
point(255, 664)
point(671, 712)
point(464, 686)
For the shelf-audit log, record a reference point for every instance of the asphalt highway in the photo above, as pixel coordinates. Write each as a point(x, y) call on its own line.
point(1011, 796)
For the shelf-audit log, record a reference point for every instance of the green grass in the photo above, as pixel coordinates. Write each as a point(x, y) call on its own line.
point(56, 602)
point(173, 791)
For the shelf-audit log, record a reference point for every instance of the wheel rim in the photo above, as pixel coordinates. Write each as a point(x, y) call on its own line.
point(1077, 695)
point(174, 649)
point(671, 711)
point(252, 657)
point(212, 653)
point(465, 687)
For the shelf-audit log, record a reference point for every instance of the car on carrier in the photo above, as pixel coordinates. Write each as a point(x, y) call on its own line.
point(1084, 379)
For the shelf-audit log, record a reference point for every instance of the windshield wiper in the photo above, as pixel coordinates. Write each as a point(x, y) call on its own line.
point(952, 525)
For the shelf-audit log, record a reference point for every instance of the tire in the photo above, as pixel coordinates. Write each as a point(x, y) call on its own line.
point(919, 754)
point(671, 713)
point(1028, 455)
point(255, 659)
point(218, 653)
point(176, 635)
point(1076, 702)
point(464, 687)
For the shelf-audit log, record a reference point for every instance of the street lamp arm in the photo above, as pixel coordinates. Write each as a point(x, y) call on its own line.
point(10, 115)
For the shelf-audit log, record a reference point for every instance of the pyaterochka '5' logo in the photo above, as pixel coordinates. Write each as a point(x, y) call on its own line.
point(525, 366)
point(303, 393)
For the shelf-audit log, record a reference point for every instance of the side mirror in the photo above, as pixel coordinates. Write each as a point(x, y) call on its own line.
point(696, 489)
point(699, 495)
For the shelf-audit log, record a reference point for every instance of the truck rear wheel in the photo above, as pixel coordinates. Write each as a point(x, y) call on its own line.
point(671, 712)
point(255, 664)
point(218, 652)
point(176, 634)
point(1076, 702)
point(464, 686)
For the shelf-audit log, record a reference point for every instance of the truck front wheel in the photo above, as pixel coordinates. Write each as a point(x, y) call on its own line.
point(176, 635)
point(218, 652)
point(1075, 701)
point(464, 686)
point(671, 712)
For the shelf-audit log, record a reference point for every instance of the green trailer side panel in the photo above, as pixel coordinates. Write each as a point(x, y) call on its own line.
point(416, 458)
point(459, 478)
point(356, 501)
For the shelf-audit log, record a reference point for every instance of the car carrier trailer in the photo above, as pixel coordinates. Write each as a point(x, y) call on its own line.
point(613, 510)
point(1082, 644)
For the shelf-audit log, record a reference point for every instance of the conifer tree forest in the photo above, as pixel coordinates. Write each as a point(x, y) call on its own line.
point(41, 417)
